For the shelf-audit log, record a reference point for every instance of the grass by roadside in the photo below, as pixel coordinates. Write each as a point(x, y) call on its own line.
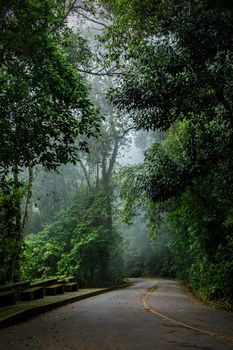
point(215, 304)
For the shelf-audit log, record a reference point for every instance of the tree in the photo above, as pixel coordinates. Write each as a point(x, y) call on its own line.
point(98, 168)
point(172, 78)
point(39, 88)
point(44, 105)
point(179, 79)
point(76, 243)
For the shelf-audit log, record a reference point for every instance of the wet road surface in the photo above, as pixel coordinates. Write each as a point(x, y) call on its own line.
point(137, 318)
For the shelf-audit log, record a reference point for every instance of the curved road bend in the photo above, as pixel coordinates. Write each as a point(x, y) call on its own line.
point(162, 318)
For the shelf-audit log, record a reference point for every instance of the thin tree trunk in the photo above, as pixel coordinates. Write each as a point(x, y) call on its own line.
point(14, 268)
point(85, 174)
point(28, 199)
point(97, 176)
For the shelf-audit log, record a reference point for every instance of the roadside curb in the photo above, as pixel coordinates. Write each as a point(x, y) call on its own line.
point(26, 314)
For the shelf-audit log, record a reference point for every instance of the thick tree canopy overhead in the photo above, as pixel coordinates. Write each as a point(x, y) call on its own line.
point(179, 58)
point(45, 112)
point(44, 103)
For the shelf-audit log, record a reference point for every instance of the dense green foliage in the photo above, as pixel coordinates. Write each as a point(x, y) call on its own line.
point(179, 79)
point(10, 242)
point(74, 210)
point(44, 103)
point(144, 256)
point(45, 112)
point(193, 229)
point(78, 243)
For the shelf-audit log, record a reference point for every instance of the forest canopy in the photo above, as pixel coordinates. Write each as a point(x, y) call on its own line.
point(44, 107)
point(178, 62)
point(162, 68)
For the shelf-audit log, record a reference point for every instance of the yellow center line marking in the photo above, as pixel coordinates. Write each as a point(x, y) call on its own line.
point(181, 324)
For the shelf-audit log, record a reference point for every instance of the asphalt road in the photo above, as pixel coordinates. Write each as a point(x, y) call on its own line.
point(137, 318)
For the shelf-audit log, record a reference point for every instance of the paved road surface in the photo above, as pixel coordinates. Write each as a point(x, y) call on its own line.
point(137, 318)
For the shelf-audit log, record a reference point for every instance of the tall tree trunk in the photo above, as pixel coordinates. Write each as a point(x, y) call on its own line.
point(28, 198)
point(13, 269)
point(14, 227)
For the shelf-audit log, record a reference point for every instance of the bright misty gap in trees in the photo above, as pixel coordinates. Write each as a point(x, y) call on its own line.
point(120, 81)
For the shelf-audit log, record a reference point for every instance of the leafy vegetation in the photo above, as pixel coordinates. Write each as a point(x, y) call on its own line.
point(174, 61)
point(44, 104)
point(178, 79)
point(78, 243)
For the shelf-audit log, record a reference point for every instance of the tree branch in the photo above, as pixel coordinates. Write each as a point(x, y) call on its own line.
point(99, 72)
point(91, 19)
point(126, 132)
point(69, 10)
point(113, 158)
point(85, 174)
